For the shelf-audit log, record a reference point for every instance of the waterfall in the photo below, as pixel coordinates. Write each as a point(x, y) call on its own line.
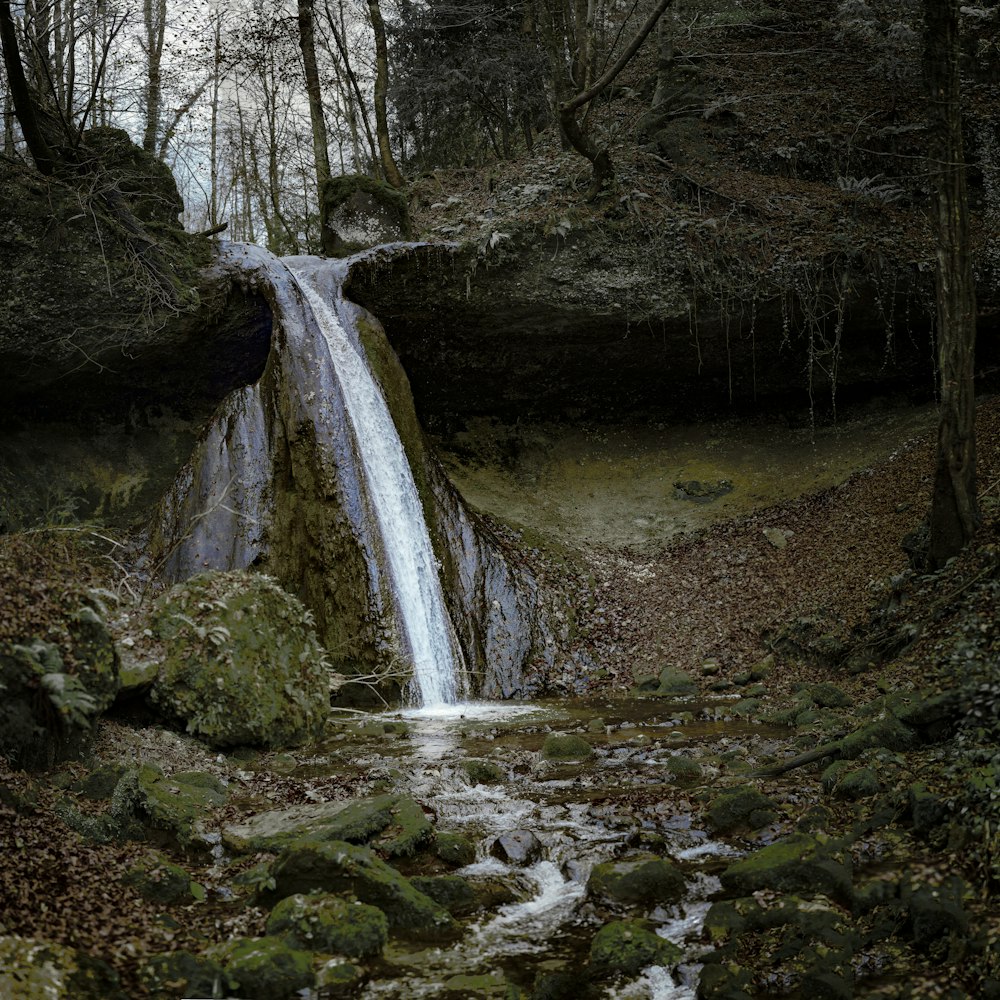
point(410, 562)
point(355, 510)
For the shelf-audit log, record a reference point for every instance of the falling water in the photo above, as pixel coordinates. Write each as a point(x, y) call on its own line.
point(412, 568)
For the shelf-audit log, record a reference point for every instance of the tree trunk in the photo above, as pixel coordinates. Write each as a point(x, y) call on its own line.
point(321, 153)
point(392, 174)
point(954, 515)
point(154, 15)
point(21, 97)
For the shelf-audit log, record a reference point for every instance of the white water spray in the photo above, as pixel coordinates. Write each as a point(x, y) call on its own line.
point(412, 568)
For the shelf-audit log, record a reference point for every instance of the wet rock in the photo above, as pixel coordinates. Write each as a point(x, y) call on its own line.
point(742, 809)
point(265, 968)
point(454, 849)
point(649, 881)
point(31, 969)
point(566, 746)
point(675, 683)
point(596, 725)
point(776, 537)
point(799, 863)
point(183, 973)
point(700, 492)
point(362, 212)
point(241, 663)
point(337, 867)
point(158, 879)
point(724, 981)
point(453, 892)
point(331, 924)
point(518, 847)
point(482, 772)
point(557, 986)
point(625, 947)
point(396, 823)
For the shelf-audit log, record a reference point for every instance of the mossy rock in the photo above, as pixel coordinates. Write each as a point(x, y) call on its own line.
point(799, 863)
point(626, 947)
point(39, 970)
point(158, 879)
point(362, 212)
point(682, 771)
point(675, 683)
point(330, 924)
point(337, 978)
point(482, 772)
point(454, 849)
point(649, 881)
point(266, 968)
point(100, 783)
point(456, 894)
point(53, 695)
point(826, 695)
point(241, 663)
point(339, 867)
point(397, 821)
point(846, 782)
point(742, 809)
point(183, 973)
point(566, 746)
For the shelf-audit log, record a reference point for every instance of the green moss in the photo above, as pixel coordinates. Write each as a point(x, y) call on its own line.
point(744, 808)
point(453, 892)
point(330, 924)
point(340, 867)
point(265, 968)
point(627, 947)
point(648, 881)
point(241, 663)
point(454, 848)
point(566, 746)
point(182, 973)
point(159, 880)
point(38, 970)
point(483, 772)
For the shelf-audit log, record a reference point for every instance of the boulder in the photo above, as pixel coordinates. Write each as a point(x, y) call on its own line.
point(799, 863)
point(649, 881)
point(183, 973)
point(38, 970)
point(454, 849)
point(517, 847)
point(566, 746)
point(337, 867)
point(456, 894)
point(482, 772)
point(362, 212)
point(397, 821)
point(331, 924)
point(742, 809)
point(626, 947)
point(161, 881)
point(265, 968)
point(241, 663)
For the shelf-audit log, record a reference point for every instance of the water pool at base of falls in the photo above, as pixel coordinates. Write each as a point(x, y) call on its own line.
point(618, 803)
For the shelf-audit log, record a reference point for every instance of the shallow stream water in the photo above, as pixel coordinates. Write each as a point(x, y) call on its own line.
point(619, 802)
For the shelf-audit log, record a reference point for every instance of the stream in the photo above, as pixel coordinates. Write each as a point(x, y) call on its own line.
point(619, 803)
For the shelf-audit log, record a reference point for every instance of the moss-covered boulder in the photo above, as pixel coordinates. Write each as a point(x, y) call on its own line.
point(799, 863)
point(161, 881)
point(456, 894)
point(265, 968)
point(361, 212)
point(330, 924)
point(38, 970)
point(241, 663)
point(741, 809)
point(482, 772)
point(454, 849)
point(395, 824)
point(337, 978)
point(183, 973)
point(844, 781)
point(626, 947)
point(649, 881)
point(54, 692)
point(682, 771)
point(566, 747)
point(339, 867)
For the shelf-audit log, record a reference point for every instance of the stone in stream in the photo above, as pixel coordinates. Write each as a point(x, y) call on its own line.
point(397, 821)
point(741, 809)
point(331, 924)
point(517, 847)
point(566, 746)
point(454, 893)
point(649, 880)
point(625, 947)
point(454, 849)
point(482, 772)
point(336, 866)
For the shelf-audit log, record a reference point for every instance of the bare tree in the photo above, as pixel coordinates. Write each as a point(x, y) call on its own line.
point(389, 168)
point(954, 515)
